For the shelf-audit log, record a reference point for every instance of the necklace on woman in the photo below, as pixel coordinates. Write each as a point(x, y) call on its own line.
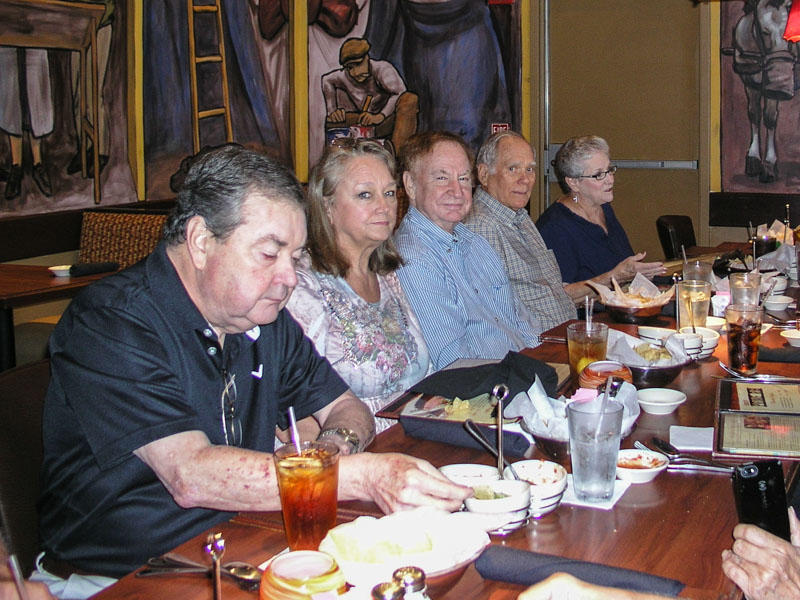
point(583, 213)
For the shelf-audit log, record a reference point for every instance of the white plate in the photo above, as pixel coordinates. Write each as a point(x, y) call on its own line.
point(60, 270)
point(455, 539)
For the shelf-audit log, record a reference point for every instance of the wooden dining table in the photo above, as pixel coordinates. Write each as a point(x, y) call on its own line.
point(676, 526)
point(25, 285)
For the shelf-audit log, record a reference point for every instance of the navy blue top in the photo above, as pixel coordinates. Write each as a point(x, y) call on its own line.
point(134, 361)
point(583, 250)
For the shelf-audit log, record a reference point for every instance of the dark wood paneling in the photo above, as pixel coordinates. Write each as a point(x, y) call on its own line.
point(737, 209)
point(37, 235)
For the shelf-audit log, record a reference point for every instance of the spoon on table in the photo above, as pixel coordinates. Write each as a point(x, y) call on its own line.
point(673, 453)
point(499, 394)
point(767, 295)
point(245, 575)
point(688, 465)
point(215, 548)
point(473, 429)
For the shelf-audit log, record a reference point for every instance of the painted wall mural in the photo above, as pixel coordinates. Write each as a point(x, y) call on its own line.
point(760, 120)
point(383, 69)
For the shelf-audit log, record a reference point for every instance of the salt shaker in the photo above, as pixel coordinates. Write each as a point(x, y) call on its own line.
point(390, 590)
point(412, 579)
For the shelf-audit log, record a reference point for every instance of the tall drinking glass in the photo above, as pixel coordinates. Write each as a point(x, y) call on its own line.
point(694, 298)
point(308, 484)
point(593, 447)
point(697, 270)
point(744, 336)
point(586, 343)
point(745, 288)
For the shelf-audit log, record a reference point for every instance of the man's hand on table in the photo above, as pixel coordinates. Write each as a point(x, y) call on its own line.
point(398, 482)
point(764, 566)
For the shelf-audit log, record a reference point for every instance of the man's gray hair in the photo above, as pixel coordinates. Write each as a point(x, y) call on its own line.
point(220, 182)
point(572, 156)
point(489, 150)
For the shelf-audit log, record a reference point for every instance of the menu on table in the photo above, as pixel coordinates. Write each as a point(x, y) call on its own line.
point(756, 419)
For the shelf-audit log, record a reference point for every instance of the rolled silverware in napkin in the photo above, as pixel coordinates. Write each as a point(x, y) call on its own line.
point(786, 355)
point(81, 269)
point(521, 567)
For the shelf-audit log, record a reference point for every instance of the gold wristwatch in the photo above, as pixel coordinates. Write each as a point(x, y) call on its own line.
point(348, 435)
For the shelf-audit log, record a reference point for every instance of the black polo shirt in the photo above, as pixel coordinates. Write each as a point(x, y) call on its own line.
point(134, 361)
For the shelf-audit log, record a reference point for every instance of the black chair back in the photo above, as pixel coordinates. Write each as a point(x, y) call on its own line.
point(674, 231)
point(22, 392)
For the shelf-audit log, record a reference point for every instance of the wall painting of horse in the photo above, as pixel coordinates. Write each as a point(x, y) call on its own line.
point(760, 108)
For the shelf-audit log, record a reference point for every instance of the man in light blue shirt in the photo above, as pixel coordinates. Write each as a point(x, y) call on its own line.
point(454, 280)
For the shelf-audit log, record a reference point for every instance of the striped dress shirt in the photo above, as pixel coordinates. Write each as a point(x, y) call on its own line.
point(460, 293)
point(531, 266)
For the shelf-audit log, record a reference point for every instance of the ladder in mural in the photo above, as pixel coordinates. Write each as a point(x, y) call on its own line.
point(196, 61)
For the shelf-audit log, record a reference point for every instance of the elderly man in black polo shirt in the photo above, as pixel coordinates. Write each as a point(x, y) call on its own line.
point(169, 380)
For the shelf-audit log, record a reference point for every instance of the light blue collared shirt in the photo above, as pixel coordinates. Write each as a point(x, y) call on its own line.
point(460, 292)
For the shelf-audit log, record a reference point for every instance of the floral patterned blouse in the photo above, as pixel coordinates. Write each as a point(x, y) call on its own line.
point(377, 348)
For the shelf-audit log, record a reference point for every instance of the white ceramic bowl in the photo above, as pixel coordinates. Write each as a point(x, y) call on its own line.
point(792, 336)
point(781, 283)
point(692, 343)
point(60, 270)
point(547, 480)
point(778, 302)
point(470, 474)
point(710, 337)
point(517, 497)
point(715, 323)
point(705, 354)
point(660, 401)
point(640, 466)
point(654, 334)
point(503, 515)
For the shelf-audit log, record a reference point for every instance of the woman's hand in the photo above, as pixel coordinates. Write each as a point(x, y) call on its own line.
point(764, 566)
point(627, 269)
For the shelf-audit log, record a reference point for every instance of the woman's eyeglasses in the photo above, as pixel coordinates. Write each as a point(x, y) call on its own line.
point(602, 174)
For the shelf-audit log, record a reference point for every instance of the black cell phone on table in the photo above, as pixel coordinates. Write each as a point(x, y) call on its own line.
point(760, 495)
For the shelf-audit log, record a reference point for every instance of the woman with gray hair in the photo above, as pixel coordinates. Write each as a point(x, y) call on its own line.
point(348, 298)
point(581, 228)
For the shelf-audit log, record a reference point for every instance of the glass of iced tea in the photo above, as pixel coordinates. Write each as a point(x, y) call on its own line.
point(586, 343)
point(744, 336)
point(694, 298)
point(308, 484)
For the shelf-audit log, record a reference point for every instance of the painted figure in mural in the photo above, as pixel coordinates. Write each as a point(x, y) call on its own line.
point(765, 63)
point(168, 122)
point(104, 30)
point(369, 92)
point(447, 51)
point(329, 22)
point(26, 105)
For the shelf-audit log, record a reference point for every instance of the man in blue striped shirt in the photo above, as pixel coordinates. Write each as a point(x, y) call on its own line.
point(454, 280)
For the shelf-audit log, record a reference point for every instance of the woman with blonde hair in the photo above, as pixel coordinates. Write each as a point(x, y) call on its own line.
point(348, 298)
